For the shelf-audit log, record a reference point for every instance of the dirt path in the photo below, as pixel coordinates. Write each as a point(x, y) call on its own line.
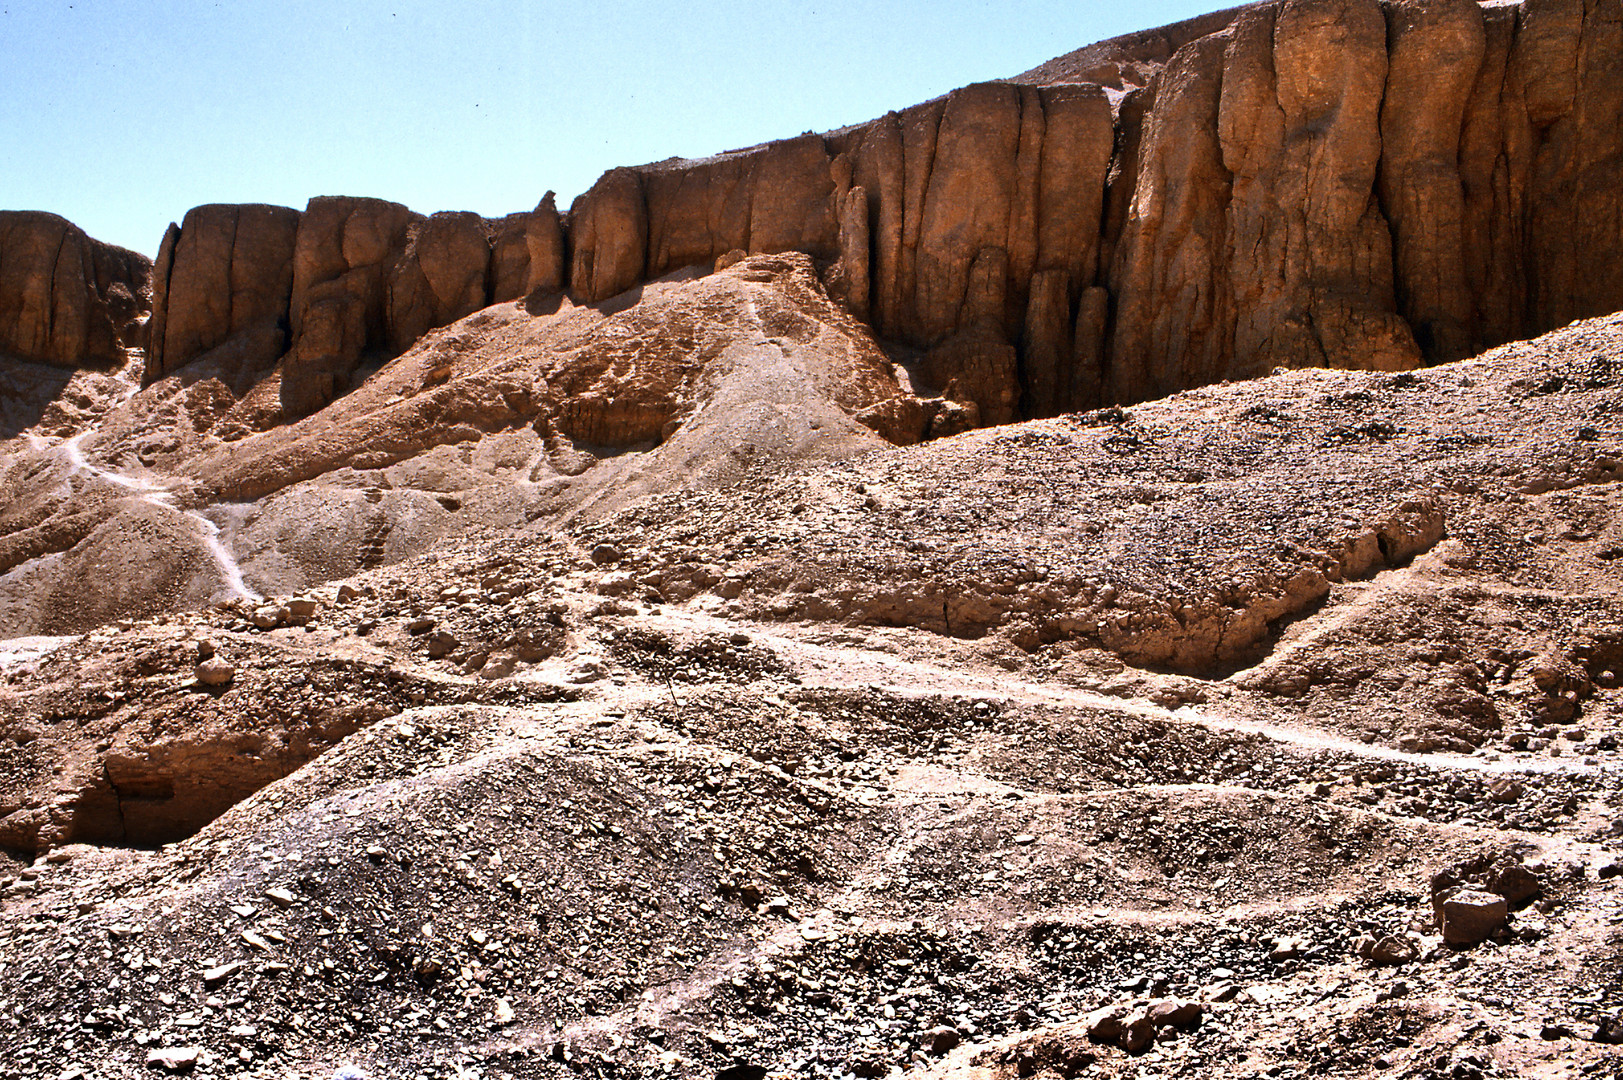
point(838, 667)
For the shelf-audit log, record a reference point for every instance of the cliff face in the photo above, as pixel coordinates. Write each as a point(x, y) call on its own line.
point(66, 299)
point(344, 281)
point(1344, 183)
point(1339, 183)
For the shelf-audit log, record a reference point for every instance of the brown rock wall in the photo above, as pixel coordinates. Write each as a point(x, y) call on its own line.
point(609, 236)
point(1353, 183)
point(66, 299)
point(443, 275)
point(549, 258)
point(1437, 49)
point(1568, 58)
point(225, 271)
point(510, 257)
point(345, 281)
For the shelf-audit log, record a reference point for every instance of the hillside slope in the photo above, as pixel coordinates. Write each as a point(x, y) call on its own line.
point(847, 768)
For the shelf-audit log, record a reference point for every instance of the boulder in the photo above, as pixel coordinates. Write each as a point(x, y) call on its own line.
point(66, 299)
point(1467, 916)
point(215, 672)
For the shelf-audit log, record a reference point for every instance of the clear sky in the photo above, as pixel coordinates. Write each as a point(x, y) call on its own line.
point(122, 114)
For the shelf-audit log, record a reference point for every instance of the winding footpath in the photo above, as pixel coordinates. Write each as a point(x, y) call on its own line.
point(71, 450)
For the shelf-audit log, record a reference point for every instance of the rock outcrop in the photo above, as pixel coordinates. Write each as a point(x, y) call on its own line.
point(1338, 183)
point(962, 201)
point(325, 290)
point(1344, 183)
point(222, 279)
point(66, 299)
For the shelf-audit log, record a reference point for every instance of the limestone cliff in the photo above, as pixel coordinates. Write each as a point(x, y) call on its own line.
point(1310, 182)
point(1344, 183)
point(323, 290)
point(66, 299)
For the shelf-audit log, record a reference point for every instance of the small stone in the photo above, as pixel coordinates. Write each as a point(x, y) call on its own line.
point(499, 666)
point(1610, 1030)
point(941, 1040)
point(504, 1012)
point(268, 617)
point(420, 625)
point(1387, 950)
point(301, 609)
point(441, 644)
point(1285, 948)
point(216, 975)
point(281, 897)
point(604, 554)
point(1122, 1026)
point(585, 672)
point(215, 672)
point(1516, 883)
point(174, 1058)
point(1175, 1014)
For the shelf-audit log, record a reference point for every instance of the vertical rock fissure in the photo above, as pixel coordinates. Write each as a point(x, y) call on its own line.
point(52, 299)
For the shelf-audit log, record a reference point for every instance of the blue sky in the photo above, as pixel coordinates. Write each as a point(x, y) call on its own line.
point(122, 114)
